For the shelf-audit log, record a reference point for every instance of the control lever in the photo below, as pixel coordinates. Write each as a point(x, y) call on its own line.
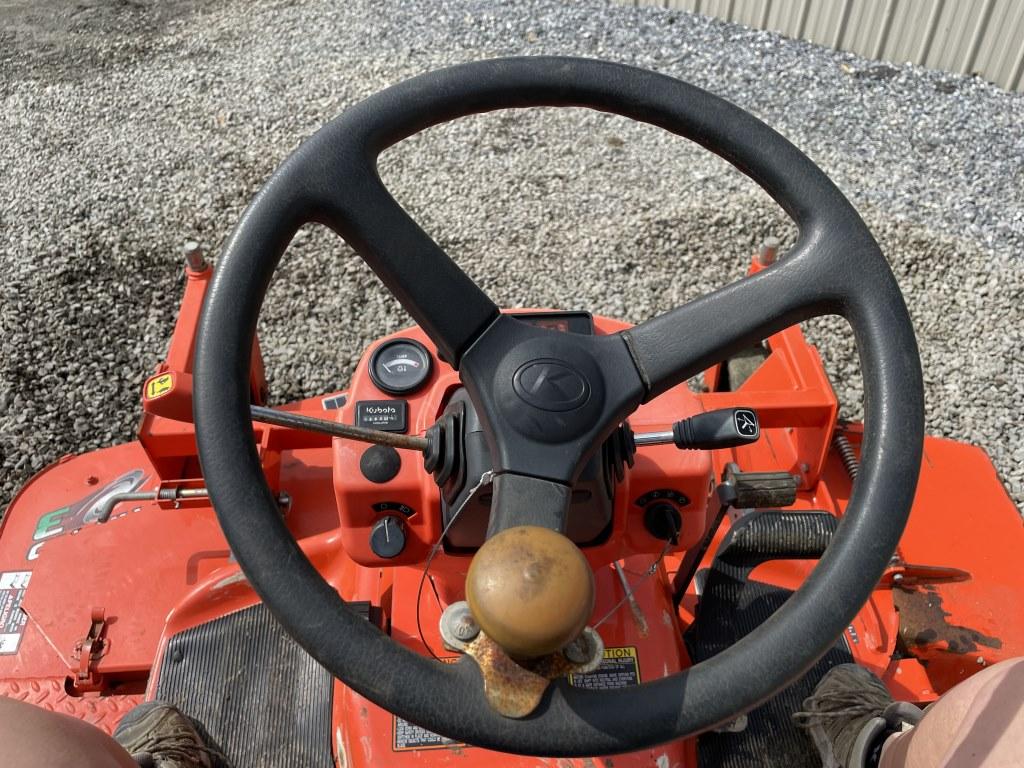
point(293, 420)
point(438, 445)
point(723, 428)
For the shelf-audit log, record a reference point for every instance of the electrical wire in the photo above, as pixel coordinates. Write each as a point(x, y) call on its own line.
point(485, 479)
point(670, 542)
point(631, 589)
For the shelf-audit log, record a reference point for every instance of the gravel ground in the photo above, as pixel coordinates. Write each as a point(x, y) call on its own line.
point(129, 127)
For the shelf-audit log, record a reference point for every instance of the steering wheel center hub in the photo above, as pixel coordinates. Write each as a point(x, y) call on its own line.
point(549, 388)
point(551, 385)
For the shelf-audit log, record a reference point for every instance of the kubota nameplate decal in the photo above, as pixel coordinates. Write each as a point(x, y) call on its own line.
point(619, 667)
point(13, 586)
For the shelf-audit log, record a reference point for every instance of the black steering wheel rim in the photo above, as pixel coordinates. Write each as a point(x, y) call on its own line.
point(836, 267)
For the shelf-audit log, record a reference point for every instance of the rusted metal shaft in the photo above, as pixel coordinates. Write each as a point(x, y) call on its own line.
point(336, 429)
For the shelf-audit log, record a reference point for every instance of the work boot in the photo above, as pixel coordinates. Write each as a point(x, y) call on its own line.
point(159, 735)
point(850, 715)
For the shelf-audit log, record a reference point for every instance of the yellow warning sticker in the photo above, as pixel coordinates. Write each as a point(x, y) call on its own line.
point(160, 385)
point(619, 667)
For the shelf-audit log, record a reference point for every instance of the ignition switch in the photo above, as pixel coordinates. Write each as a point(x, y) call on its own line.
point(663, 521)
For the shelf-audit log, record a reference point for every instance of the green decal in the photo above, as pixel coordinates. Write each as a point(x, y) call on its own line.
point(50, 524)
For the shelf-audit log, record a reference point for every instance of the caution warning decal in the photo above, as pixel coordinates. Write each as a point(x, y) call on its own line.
point(408, 736)
point(619, 667)
point(159, 385)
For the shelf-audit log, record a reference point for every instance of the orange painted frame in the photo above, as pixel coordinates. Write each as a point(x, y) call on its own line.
point(156, 568)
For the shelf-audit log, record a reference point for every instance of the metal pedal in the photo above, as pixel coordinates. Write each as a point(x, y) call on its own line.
point(739, 490)
point(757, 490)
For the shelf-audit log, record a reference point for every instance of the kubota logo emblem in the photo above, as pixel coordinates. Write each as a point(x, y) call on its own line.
point(551, 385)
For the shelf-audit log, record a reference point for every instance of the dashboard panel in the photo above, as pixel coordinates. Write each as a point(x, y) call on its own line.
point(403, 499)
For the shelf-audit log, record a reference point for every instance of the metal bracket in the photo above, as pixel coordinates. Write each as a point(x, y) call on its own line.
point(900, 574)
point(88, 651)
point(514, 689)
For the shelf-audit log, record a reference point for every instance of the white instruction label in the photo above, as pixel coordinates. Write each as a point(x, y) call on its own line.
point(13, 585)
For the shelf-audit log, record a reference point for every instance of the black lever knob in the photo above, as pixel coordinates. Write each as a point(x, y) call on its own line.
point(723, 428)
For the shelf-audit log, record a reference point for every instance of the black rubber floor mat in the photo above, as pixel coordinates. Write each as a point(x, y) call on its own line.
point(731, 606)
point(769, 740)
point(263, 700)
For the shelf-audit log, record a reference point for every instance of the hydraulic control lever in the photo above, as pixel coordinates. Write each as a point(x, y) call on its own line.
point(438, 446)
point(336, 429)
point(724, 428)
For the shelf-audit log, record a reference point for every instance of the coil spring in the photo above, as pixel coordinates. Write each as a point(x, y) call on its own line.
point(846, 453)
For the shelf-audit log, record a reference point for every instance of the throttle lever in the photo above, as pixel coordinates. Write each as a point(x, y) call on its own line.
point(722, 428)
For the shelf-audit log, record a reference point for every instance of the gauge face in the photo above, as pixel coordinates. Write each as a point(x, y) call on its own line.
point(400, 366)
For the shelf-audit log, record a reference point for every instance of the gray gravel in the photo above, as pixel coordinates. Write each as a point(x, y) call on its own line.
point(128, 128)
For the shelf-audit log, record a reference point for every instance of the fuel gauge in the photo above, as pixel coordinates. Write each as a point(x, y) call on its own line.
point(400, 366)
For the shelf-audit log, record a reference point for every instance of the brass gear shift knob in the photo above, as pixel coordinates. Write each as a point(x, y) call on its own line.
point(531, 590)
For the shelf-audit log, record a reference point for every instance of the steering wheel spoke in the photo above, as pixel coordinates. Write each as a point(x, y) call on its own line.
point(684, 341)
point(525, 500)
point(440, 297)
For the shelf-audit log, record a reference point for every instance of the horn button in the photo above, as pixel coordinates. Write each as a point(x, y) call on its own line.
point(551, 385)
point(550, 390)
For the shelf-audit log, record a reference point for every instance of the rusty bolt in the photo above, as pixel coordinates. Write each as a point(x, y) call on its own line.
point(768, 251)
point(458, 626)
point(579, 650)
point(194, 256)
point(465, 629)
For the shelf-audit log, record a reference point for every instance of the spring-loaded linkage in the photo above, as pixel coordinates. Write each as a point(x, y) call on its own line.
point(842, 445)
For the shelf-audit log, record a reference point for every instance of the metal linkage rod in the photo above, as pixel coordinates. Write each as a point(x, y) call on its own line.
point(336, 429)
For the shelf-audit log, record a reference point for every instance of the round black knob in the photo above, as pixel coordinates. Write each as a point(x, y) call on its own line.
point(380, 463)
point(387, 539)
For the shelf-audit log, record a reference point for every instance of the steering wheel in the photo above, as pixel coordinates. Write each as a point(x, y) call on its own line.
point(547, 399)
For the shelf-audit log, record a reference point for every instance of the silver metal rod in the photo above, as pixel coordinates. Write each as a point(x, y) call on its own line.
point(634, 606)
point(165, 494)
point(336, 429)
point(194, 256)
point(106, 509)
point(654, 438)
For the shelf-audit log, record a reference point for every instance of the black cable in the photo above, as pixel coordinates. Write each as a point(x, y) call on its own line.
point(485, 479)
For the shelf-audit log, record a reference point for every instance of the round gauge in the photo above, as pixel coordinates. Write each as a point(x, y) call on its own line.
point(400, 366)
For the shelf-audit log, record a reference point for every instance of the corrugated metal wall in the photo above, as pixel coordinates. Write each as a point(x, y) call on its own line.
point(985, 37)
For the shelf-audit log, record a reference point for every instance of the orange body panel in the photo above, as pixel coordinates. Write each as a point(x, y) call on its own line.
point(158, 567)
